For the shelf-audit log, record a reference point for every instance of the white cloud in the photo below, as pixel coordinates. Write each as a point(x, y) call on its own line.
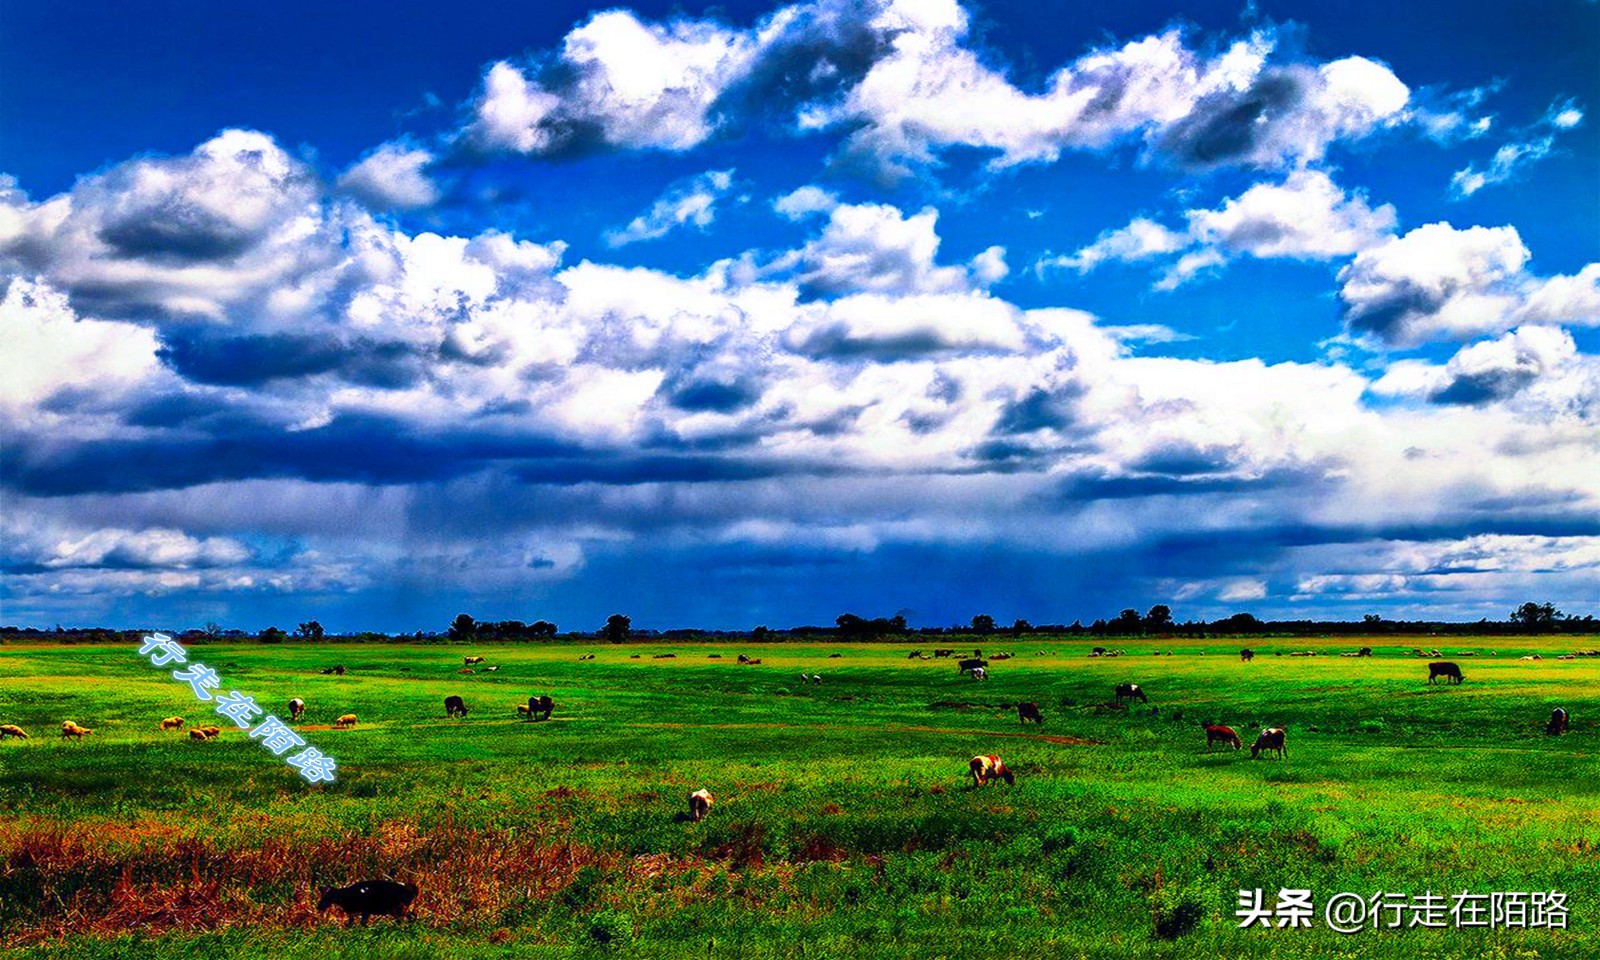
point(804, 202)
point(901, 79)
point(1535, 144)
point(392, 177)
point(1306, 217)
point(1440, 282)
point(625, 82)
point(691, 202)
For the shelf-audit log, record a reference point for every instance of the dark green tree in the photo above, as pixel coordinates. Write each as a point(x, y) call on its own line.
point(462, 628)
point(616, 628)
point(310, 630)
point(983, 623)
point(273, 635)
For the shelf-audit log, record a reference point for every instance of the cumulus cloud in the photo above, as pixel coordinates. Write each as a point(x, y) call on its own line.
point(1305, 217)
point(224, 404)
point(392, 177)
point(1533, 144)
point(690, 202)
point(902, 83)
point(876, 248)
point(619, 81)
point(1440, 282)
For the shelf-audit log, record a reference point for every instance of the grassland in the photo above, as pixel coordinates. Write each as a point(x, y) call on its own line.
point(843, 825)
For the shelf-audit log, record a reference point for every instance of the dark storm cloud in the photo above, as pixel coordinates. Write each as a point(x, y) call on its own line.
point(357, 449)
point(256, 359)
point(1182, 460)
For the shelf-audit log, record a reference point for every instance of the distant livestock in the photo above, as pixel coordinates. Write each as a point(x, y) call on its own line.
point(70, 729)
point(1029, 711)
point(1271, 740)
point(12, 730)
point(491, 669)
point(915, 655)
point(171, 723)
point(1217, 733)
point(296, 707)
point(207, 732)
point(587, 656)
point(337, 671)
point(941, 654)
point(1444, 668)
point(834, 656)
point(348, 720)
point(382, 897)
point(979, 673)
point(1558, 723)
point(465, 670)
point(989, 767)
point(198, 735)
point(1130, 691)
point(700, 803)
point(455, 707)
point(469, 661)
point(1001, 656)
point(540, 708)
point(1364, 652)
point(971, 663)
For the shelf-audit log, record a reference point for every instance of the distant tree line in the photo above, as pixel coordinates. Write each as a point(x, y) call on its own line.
point(1529, 618)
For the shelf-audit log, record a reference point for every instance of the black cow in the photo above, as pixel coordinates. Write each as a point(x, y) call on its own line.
point(1364, 652)
point(1029, 711)
point(1247, 654)
point(1446, 669)
point(964, 665)
point(369, 897)
point(1558, 722)
point(455, 706)
point(540, 708)
point(1130, 691)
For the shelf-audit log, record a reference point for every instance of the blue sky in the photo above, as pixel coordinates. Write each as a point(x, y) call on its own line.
point(760, 313)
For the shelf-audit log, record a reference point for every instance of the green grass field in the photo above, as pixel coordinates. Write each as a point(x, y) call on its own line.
point(844, 822)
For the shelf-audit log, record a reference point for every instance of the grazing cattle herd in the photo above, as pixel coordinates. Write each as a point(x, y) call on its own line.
point(388, 897)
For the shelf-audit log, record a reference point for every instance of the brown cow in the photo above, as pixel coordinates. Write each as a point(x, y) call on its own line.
point(1271, 740)
point(1029, 711)
point(348, 720)
point(12, 730)
point(171, 723)
point(207, 732)
point(70, 729)
point(700, 803)
point(1217, 733)
point(470, 661)
point(988, 767)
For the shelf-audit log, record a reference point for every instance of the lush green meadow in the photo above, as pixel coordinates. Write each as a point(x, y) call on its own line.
point(844, 822)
